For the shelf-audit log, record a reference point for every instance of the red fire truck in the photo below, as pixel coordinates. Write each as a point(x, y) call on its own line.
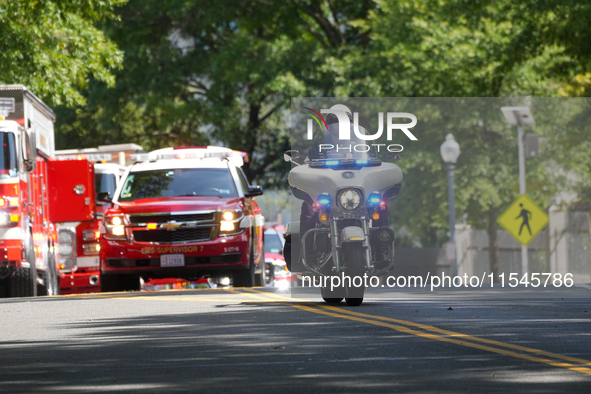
point(35, 193)
point(183, 213)
point(78, 266)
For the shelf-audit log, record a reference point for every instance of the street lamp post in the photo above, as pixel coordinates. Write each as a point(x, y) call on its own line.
point(520, 116)
point(450, 151)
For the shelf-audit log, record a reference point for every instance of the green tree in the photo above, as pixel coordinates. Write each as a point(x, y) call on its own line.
point(460, 48)
point(53, 46)
point(215, 72)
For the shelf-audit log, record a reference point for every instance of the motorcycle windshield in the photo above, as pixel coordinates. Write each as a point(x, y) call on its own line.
point(8, 166)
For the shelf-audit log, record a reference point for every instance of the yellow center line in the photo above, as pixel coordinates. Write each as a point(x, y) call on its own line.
point(362, 317)
point(249, 294)
point(466, 337)
point(449, 340)
point(189, 299)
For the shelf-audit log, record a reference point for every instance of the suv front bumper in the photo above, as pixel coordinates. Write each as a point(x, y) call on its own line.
point(219, 254)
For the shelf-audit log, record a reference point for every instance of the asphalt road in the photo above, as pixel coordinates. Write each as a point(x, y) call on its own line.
point(263, 341)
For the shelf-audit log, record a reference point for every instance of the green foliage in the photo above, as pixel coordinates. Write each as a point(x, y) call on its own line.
point(52, 46)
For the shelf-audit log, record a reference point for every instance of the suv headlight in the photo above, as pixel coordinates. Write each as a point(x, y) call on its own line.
point(115, 227)
point(230, 221)
point(350, 199)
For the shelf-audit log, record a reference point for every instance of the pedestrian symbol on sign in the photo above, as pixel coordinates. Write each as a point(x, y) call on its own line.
point(525, 214)
point(523, 219)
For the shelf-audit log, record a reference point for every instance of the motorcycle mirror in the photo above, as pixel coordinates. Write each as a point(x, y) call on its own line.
point(394, 156)
point(291, 155)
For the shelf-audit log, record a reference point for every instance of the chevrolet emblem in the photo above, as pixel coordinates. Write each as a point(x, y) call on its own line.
point(171, 226)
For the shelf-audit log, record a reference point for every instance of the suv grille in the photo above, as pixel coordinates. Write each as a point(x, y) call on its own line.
point(180, 235)
point(188, 217)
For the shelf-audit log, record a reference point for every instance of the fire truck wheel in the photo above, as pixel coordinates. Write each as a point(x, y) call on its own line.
point(50, 278)
point(23, 282)
point(5, 288)
point(44, 289)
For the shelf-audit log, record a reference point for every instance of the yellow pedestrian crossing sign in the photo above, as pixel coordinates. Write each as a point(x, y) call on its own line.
point(523, 219)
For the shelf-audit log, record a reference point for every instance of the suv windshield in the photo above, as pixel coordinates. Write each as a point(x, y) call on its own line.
point(215, 182)
point(8, 167)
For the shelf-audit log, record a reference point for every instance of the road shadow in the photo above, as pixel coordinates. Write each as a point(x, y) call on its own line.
point(159, 345)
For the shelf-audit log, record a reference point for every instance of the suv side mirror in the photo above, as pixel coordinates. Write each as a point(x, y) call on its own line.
point(254, 191)
point(104, 197)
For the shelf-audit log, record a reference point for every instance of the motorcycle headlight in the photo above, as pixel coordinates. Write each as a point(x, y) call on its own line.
point(349, 199)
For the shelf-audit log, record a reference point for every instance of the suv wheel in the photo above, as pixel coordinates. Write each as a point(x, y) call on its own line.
point(110, 283)
point(245, 277)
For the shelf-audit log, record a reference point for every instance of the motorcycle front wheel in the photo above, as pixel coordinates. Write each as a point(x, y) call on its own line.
point(355, 255)
point(331, 297)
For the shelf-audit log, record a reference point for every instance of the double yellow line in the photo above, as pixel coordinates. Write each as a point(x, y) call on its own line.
point(434, 333)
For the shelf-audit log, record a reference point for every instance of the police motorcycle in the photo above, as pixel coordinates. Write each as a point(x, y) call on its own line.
point(343, 229)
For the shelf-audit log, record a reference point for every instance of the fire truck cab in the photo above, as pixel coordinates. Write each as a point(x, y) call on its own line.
point(79, 264)
point(183, 213)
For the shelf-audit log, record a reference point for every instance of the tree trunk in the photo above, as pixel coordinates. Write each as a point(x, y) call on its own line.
point(432, 236)
point(493, 247)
